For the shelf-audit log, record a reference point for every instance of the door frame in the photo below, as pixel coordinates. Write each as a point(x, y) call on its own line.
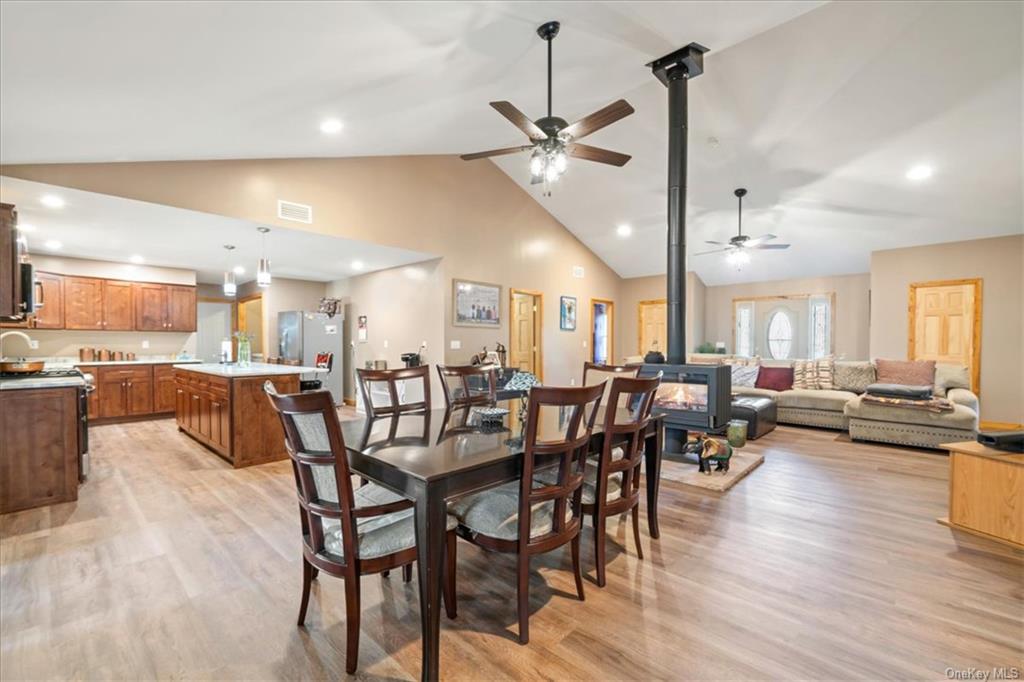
point(240, 315)
point(640, 319)
point(611, 328)
point(976, 282)
point(538, 326)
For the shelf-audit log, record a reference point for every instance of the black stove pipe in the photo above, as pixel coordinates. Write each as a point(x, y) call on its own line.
point(675, 71)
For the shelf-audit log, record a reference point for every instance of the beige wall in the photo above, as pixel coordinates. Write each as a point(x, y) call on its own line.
point(486, 227)
point(83, 267)
point(636, 289)
point(850, 318)
point(282, 295)
point(999, 262)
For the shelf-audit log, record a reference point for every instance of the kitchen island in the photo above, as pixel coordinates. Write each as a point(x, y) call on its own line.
point(224, 408)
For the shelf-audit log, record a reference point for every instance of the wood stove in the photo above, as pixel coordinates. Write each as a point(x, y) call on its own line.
point(694, 397)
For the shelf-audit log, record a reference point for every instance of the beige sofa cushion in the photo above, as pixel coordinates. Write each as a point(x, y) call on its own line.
point(949, 376)
point(853, 375)
point(813, 399)
point(961, 417)
point(753, 391)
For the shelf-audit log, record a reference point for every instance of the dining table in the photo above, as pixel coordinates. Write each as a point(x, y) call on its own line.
point(435, 456)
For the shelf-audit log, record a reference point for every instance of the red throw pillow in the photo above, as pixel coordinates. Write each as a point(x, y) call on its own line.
point(775, 378)
point(906, 372)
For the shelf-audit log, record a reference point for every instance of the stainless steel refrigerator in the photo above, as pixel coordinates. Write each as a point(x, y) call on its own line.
point(301, 335)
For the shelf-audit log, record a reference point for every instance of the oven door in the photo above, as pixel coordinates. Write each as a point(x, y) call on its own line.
point(83, 431)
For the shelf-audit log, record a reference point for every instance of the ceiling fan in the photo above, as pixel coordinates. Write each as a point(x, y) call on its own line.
point(738, 248)
point(552, 139)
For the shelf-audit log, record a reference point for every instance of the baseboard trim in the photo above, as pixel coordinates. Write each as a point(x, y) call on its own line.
point(1000, 426)
point(351, 402)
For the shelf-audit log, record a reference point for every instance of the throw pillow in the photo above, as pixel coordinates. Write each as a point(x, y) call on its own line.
point(775, 378)
point(745, 376)
point(949, 376)
point(906, 372)
point(813, 374)
point(824, 369)
point(854, 376)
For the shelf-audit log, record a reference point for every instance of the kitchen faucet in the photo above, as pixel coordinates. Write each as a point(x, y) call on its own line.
point(28, 340)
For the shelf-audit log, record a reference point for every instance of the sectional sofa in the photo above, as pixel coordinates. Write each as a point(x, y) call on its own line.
point(843, 408)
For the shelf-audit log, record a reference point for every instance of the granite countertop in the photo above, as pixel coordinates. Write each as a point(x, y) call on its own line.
point(133, 362)
point(36, 381)
point(256, 369)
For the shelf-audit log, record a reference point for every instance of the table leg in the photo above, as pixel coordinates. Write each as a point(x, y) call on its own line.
point(431, 515)
point(652, 467)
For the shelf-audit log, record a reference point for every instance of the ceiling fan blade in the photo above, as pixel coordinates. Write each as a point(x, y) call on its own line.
point(597, 120)
point(759, 240)
point(772, 246)
point(704, 253)
point(708, 241)
point(495, 152)
point(588, 153)
point(519, 120)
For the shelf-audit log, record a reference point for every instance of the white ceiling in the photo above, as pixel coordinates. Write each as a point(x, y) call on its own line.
point(818, 110)
point(102, 227)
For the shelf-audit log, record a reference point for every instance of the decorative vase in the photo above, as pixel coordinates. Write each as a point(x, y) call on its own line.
point(736, 433)
point(244, 352)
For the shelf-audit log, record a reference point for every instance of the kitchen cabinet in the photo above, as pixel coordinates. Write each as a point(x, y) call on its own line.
point(49, 301)
point(39, 457)
point(165, 307)
point(164, 393)
point(201, 409)
point(10, 275)
point(124, 391)
point(104, 304)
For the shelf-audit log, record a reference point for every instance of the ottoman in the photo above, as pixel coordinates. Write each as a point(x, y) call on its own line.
point(759, 413)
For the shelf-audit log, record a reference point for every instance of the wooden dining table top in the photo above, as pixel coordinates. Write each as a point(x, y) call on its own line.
point(441, 443)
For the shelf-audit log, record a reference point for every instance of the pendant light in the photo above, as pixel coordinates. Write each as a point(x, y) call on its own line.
point(230, 288)
point(263, 269)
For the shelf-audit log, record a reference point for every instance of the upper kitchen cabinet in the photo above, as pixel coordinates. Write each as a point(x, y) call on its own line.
point(10, 273)
point(103, 304)
point(165, 307)
point(49, 301)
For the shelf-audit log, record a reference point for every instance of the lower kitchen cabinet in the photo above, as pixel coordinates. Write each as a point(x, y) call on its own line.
point(131, 391)
point(202, 410)
point(163, 389)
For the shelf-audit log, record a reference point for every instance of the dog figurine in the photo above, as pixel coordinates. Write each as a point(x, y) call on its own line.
point(710, 450)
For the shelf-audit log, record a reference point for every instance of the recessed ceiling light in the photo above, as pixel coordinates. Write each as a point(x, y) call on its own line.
point(238, 270)
point(51, 201)
point(920, 172)
point(137, 259)
point(331, 126)
point(624, 230)
point(357, 265)
point(26, 227)
point(52, 244)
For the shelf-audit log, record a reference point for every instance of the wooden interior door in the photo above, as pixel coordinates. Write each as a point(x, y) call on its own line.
point(524, 332)
point(602, 326)
point(653, 332)
point(945, 324)
point(118, 314)
point(83, 303)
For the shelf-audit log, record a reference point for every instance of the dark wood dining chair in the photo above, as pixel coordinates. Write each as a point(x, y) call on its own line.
point(595, 373)
point(346, 532)
point(459, 391)
point(391, 378)
point(525, 520)
point(611, 484)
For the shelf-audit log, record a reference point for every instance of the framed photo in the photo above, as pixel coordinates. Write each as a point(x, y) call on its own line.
point(567, 314)
point(475, 304)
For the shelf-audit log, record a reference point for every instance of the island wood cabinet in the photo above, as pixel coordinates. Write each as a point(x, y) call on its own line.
point(165, 307)
point(232, 415)
point(104, 304)
point(39, 454)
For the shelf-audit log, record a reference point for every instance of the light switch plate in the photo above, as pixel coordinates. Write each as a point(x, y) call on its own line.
point(33, 344)
point(385, 343)
point(145, 344)
point(455, 344)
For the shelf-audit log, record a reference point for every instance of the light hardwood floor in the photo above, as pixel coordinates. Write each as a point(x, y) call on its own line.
point(824, 563)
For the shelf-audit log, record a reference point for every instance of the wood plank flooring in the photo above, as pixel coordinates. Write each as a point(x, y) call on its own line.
point(825, 563)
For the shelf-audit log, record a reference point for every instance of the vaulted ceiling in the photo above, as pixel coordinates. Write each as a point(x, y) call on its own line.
point(818, 109)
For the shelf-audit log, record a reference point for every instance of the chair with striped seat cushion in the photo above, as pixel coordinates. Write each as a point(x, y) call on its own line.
point(345, 533)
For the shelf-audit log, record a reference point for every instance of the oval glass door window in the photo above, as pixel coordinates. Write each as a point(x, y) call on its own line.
point(780, 335)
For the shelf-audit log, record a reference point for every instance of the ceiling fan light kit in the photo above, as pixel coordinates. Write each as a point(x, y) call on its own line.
point(737, 250)
point(552, 139)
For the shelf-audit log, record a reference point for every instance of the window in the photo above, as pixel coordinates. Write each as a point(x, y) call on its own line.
point(820, 327)
point(745, 329)
point(780, 335)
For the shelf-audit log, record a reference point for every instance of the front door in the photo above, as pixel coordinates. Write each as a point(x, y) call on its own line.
point(945, 324)
point(525, 328)
point(602, 331)
point(651, 323)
